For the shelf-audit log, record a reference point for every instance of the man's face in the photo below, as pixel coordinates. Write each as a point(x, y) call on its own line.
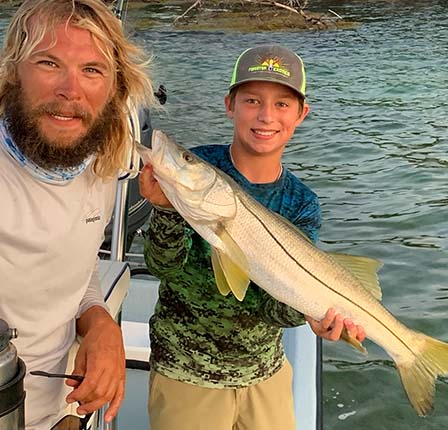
point(63, 95)
point(265, 115)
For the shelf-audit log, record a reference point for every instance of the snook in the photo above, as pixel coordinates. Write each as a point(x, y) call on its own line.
point(250, 242)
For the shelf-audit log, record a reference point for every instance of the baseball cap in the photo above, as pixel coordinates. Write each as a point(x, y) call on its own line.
point(270, 63)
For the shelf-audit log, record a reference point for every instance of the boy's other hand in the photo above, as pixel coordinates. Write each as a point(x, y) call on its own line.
point(331, 326)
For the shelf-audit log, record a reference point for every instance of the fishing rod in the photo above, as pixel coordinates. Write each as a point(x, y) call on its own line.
point(121, 6)
point(120, 11)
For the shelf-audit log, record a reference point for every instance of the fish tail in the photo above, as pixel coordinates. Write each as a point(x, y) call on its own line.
point(419, 378)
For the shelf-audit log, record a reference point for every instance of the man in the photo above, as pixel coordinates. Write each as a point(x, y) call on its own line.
point(217, 362)
point(67, 77)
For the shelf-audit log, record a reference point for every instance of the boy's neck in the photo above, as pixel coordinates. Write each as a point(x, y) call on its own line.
point(257, 169)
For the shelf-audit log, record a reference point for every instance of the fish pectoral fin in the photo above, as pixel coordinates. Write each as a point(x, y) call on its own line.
point(364, 269)
point(220, 278)
point(353, 341)
point(237, 279)
point(234, 268)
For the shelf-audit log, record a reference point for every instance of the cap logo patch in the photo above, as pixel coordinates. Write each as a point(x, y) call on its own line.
point(271, 64)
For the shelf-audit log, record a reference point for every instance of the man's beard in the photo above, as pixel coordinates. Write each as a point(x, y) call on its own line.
point(23, 125)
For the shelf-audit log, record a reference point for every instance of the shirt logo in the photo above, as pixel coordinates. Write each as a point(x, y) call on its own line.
point(93, 216)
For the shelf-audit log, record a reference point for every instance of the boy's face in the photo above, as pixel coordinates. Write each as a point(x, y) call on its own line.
point(265, 115)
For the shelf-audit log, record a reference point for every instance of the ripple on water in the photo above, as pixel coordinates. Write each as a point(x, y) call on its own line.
point(374, 147)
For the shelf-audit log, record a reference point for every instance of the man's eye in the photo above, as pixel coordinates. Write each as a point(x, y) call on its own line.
point(47, 63)
point(91, 70)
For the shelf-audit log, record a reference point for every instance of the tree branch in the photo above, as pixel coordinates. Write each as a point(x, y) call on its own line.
point(197, 3)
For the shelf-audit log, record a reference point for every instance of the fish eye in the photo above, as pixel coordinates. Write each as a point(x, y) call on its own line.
point(188, 157)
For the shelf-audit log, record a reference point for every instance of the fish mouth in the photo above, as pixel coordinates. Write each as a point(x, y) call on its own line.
point(158, 147)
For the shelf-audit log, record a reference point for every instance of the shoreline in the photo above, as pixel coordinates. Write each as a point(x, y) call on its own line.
point(231, 15)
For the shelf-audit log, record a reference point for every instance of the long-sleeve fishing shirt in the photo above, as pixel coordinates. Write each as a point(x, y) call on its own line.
point(49, 240)
point(197, 335)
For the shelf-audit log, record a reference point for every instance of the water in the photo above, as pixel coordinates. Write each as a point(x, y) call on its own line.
point(374, 147)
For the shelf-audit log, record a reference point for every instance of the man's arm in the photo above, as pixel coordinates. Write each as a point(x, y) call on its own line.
point(101, 357)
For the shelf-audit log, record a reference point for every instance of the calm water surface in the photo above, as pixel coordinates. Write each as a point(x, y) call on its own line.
point(374, 147)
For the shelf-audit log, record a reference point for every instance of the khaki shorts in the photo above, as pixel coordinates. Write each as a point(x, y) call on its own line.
point(269, 405)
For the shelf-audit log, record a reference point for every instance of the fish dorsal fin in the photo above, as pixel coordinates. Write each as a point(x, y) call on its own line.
point(364, 269)
point(234, 270)
point(220, 278)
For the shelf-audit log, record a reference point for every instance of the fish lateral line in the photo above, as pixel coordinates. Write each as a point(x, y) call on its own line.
point(322, 282)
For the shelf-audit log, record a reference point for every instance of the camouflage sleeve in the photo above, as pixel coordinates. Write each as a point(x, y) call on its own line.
point(167, 243)
point(279, 314)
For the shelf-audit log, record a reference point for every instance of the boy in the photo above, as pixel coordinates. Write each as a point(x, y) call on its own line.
point(217, 362)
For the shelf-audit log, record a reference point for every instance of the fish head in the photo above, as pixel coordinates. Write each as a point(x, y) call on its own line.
point(193, 186)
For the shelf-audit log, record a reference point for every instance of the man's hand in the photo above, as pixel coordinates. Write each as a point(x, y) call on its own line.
point(150, 188)
point(101, 360)
point(332, 325)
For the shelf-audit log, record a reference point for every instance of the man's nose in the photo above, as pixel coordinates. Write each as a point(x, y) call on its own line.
point(69, 86)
